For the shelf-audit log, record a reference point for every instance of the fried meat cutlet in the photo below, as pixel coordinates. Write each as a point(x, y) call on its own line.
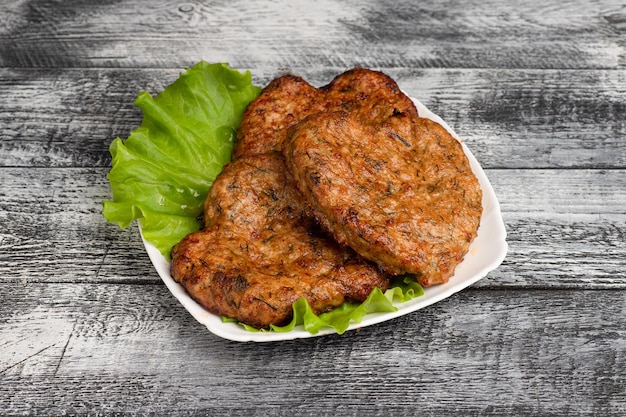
point(281, 104)
point(401, 192)
point(260, 250)
point(288, 99)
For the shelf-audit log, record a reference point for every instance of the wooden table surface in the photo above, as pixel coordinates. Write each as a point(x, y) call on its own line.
point(537, 90)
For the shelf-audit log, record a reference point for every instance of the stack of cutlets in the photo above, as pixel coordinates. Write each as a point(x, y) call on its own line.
point(330, 192)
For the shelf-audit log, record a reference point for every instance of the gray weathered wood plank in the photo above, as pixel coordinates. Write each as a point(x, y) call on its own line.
point(566, 229)
point(372, 33)
point(133, 350)
point(509, 118)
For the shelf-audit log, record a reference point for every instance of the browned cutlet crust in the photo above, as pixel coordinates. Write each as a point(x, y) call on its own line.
point(281, 104)
point(260, 250)
point(400, 193)
point(286, 100)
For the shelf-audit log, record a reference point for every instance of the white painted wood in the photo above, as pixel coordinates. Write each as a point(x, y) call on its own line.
point(371, 33)
point(509, 118)
point(494, 352)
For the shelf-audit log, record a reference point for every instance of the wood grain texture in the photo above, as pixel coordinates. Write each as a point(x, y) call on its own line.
point(501, 352)
point(536, 89)
point(372, 33)
point(566, 229)
point(509, 118)
point(52, 226)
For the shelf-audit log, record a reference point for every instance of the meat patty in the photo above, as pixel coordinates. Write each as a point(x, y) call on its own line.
point(260, 250)
point(282, 103)
point(400, 192)
point(286, 100)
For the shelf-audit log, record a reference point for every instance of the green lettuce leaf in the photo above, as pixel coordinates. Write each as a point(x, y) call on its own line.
point(403, 288)
point(162, 172)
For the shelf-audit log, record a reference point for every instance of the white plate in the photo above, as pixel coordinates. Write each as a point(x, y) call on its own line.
point(485, 254)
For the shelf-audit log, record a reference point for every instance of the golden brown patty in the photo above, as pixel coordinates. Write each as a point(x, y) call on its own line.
point(400, 193)
point(260, 251)
point(286, 100)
